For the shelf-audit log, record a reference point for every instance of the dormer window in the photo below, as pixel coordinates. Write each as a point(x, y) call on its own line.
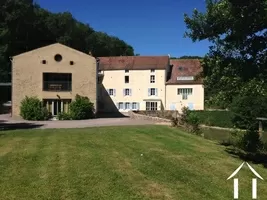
point(185, 78)
point(152, 70)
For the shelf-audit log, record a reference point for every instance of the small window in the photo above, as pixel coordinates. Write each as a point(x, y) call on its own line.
point(111, 92)
point(134, 105)
point(44, 62)
point(126, 79)
point(58, 57)
point(152, 70)
point(127, 105)
point(120, 105)
point(152, 79)
point(152, 91)
point(71, 63)
point(126, 70)
point(127, 92)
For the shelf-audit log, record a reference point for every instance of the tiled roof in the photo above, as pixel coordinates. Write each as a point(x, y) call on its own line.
point(184, 67)
point(133, 62)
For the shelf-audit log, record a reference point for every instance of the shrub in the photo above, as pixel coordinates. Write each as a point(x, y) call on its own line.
point(184, 115)
point(246, 109)
point(81, 108)
point(31, 109)
point(193, 123)
point(174, 121)
point(64, 116)
point(248, 141)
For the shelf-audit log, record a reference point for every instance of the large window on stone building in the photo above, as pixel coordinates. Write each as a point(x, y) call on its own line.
point(57, 81)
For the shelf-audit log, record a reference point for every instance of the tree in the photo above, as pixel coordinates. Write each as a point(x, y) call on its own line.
point(238, 32)
point(190, 57)
point(25, 26)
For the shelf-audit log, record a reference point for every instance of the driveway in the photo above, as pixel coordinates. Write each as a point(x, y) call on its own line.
point(6, 122)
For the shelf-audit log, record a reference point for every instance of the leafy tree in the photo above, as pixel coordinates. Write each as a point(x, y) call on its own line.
point(24, 26)
point(190, 57)
point(238, 32)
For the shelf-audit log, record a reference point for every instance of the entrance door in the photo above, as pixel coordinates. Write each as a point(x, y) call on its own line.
point(57, 107)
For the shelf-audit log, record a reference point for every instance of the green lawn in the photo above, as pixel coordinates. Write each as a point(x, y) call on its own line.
point(106, 163)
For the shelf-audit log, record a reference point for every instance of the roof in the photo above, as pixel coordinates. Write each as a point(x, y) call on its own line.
point(184, 67)
point(133, 62)
point(59, 45)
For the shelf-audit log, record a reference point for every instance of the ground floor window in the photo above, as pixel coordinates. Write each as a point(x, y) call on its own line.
point(55, 106)
point(127, 105)
point(120, 105)
point(151, 105)
point(134, 106)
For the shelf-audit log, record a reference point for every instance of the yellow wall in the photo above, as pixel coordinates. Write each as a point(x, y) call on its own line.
point(139, 82)
point(27, 74)
point(197, 97)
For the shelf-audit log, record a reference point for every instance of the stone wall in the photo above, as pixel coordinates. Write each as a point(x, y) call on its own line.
point(135, 115)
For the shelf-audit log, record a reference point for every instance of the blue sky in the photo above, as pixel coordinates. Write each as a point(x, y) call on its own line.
point(152, 27)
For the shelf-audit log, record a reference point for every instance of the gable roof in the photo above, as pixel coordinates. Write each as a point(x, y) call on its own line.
point(133, 62)
point(51, 46)
point(184, 67)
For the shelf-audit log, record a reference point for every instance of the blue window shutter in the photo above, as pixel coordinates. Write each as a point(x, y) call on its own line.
point(130, 106)
point(137, 106)
point(123, 106)
point(114, 92)
point(156, 91)
point(130, 92)
point(149, 91)
point(118, 106)
point(123, 92)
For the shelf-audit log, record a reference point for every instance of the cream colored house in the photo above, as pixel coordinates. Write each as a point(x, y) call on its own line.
point(149, 83)
point(55, 74)
point(183, 88)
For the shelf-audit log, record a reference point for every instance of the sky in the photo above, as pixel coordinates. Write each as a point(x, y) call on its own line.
point(151, 27)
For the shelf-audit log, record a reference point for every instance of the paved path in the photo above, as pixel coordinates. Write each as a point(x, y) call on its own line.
point(7, 123)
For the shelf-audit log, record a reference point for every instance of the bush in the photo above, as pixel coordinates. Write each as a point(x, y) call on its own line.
point(193, 122)
point(184, 115)
point(246, 109)
point(31, 109)
point(174, 121)
point(81, 108)
point(248, 141)
point(215, 118)
point(64, 116)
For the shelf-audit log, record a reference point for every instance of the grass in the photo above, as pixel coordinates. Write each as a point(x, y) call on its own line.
point(106, 163)
point(215, 118)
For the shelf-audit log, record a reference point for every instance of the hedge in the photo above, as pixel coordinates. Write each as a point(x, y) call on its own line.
point(216, 118)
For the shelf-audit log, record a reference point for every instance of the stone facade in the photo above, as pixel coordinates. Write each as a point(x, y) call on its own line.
point(28, 69)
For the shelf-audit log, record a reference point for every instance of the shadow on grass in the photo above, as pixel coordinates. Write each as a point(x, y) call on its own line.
point(4, 126)
point(256, 158)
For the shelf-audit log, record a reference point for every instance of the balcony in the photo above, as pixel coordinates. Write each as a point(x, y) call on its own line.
point(57, 86)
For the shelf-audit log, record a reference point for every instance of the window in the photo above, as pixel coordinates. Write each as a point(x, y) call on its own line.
point(55, 106)
point(134, 105)
point(185, 92)
point(112, 92)
point(126, 70)
point(57, 81)
point(152, 79)
point(44, 62)
point(152, 70)
point(71, 63)
point(120, 105)
point(58, 57)
point(127, 105)
point(151, 105)
point(126, 79)
point(152, 92)
point(127, 92)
